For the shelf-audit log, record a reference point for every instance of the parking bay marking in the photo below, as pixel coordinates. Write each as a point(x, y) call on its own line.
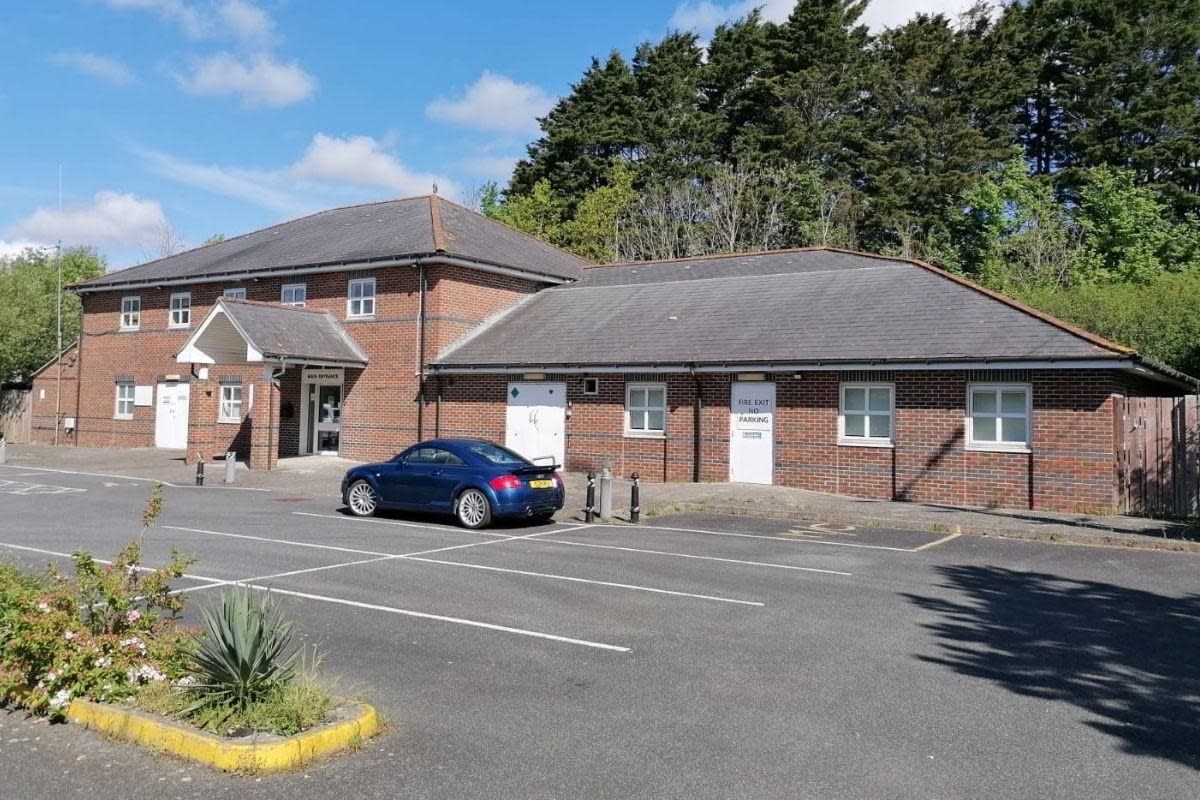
point(25, 489)
point(134, 478)
point(416, 556)
point(793, 539)
point(702, 558)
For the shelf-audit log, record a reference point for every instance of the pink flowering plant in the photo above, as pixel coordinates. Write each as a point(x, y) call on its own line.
point(102, 634)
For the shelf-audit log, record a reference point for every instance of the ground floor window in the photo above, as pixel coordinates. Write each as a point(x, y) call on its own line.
point(231, 404)
point(998, 416)
point(866, 414)
point(645, 409)
point(125, 398)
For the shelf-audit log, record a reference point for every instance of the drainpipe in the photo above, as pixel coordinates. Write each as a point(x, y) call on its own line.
point(437, 406)
point(697, 415)
point(420, 374)
point(78, 373)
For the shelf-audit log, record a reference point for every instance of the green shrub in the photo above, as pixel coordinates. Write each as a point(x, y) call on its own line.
point(243, 654)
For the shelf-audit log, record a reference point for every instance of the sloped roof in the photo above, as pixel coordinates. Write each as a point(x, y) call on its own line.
point(795, 306)
point(414, 226)
point(281, 333)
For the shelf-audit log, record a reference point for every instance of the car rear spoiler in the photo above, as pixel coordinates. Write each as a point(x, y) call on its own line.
point(535, 468)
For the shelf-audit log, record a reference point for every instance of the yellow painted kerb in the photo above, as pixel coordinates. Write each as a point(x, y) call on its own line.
point(282, 754)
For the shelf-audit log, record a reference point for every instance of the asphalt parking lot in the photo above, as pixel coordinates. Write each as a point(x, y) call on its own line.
point(694, 656)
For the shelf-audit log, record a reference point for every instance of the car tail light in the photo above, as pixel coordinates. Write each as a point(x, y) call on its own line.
point(558, 479)
point(505, 482)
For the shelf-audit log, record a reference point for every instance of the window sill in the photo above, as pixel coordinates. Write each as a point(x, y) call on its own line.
point(645, 435)
point(124, 419)
point(359, 317)
point(880, 445)
point(229, 422)
point(178, 327)
point(994, 448)
point(133, 329)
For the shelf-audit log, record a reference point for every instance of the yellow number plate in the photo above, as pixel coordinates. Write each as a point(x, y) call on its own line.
point(540, 484)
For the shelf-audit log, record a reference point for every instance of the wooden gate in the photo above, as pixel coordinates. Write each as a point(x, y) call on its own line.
point(1158, 456)
point(16, 415)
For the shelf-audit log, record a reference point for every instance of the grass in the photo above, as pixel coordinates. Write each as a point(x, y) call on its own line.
point(296, 706)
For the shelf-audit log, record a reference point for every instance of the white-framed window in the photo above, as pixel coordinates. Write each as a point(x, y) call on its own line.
point(591, 386)
point(236, 292)
point(181, 310)
point(865, 414)
point(645, 409)
point(131, 313)
point(294, 294)
point(124, 405)
point(999, 416)
point(360, 297)
point(231, 404)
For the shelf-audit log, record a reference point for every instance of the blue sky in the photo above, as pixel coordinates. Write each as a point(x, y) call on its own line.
point(173, 120)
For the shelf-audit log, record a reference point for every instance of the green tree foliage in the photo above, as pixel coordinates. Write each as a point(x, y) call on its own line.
point(27, 306)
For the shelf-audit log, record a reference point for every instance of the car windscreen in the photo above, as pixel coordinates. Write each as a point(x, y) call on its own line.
point(495, 454)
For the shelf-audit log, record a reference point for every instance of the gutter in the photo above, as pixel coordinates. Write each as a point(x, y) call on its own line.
point(316, 269)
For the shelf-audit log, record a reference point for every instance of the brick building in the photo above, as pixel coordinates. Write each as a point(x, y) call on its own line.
point(361, 330)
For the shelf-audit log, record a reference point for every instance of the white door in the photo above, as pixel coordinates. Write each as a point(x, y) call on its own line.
point(752, 432)
point(536, 421)
point(171, 416)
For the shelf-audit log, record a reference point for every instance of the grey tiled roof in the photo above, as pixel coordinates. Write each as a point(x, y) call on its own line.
point(289, 332)
point(391, 229)
point(783, 307)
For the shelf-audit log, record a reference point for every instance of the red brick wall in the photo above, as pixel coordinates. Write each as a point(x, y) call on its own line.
point(1070, 466)
point(380, 403)
point(45, 399)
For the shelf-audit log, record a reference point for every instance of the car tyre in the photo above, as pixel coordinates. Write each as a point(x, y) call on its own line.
point(362, 499)
point(543, 518)
point(473, 509)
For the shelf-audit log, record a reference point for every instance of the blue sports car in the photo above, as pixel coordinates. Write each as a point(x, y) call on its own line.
point(473, 479)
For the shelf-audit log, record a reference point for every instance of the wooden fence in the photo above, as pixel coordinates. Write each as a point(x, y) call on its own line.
point(16, 415)
point(1158, 456)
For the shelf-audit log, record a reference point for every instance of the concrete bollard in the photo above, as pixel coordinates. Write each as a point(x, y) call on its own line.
point(230, 466)
point(606, 490)
point(3, 451)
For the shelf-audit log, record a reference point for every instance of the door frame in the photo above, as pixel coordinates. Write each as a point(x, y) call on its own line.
point(158, 393)
point(316, 378)
point(559, 385)
point(732, 429)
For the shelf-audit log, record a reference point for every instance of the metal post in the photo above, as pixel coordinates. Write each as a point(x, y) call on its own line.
point(606, 490)
point(199, 470)
point(635, 511)
point(4, 455)
point(589, 513)
point(230, 466)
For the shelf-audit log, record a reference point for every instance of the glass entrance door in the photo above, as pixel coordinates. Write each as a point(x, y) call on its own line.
point(326, 416)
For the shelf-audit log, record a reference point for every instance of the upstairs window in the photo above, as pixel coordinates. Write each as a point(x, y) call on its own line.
point(181, 310)
point(294, 294)
point(360, 298)
point(231, 404)
point(131, 313)
point(998, 416)
point(236, 293)
point(645, 409)
point(866, 414)
point(125, 397)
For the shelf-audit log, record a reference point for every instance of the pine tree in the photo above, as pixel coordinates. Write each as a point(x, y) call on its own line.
point(676, 133)
point(733, 87)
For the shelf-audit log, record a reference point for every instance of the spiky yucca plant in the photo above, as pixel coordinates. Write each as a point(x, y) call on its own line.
point(244, 652)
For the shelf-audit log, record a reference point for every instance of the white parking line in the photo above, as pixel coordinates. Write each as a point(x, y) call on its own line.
point(942, 540)
point(416, 556)
point(585, 580)
point(702, 558)
point(134, 478)
point(25, 488)
point(433, 525)
point(758, 536)
point(40, 551)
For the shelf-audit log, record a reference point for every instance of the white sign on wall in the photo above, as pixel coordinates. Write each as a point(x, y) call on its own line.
point(143, 395)
point(752, 432)
point(323, 374)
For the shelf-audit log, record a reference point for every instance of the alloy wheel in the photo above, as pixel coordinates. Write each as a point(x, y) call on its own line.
point(362, 499)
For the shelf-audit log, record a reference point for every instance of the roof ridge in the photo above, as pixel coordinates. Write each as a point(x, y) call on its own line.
point(697, 279)
point(587, 263)
point(251, 233)
point(435, 221)
point(713, 257)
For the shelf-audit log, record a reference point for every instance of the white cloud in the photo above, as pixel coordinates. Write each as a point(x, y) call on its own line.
point(705, 15)
point(15, 247)
point(494, 103)
point(107, 69)
point(362, 161)
point(109, 219)
point(232, 19)
point(261, 81)
point(331, 171)
point(495, 168)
